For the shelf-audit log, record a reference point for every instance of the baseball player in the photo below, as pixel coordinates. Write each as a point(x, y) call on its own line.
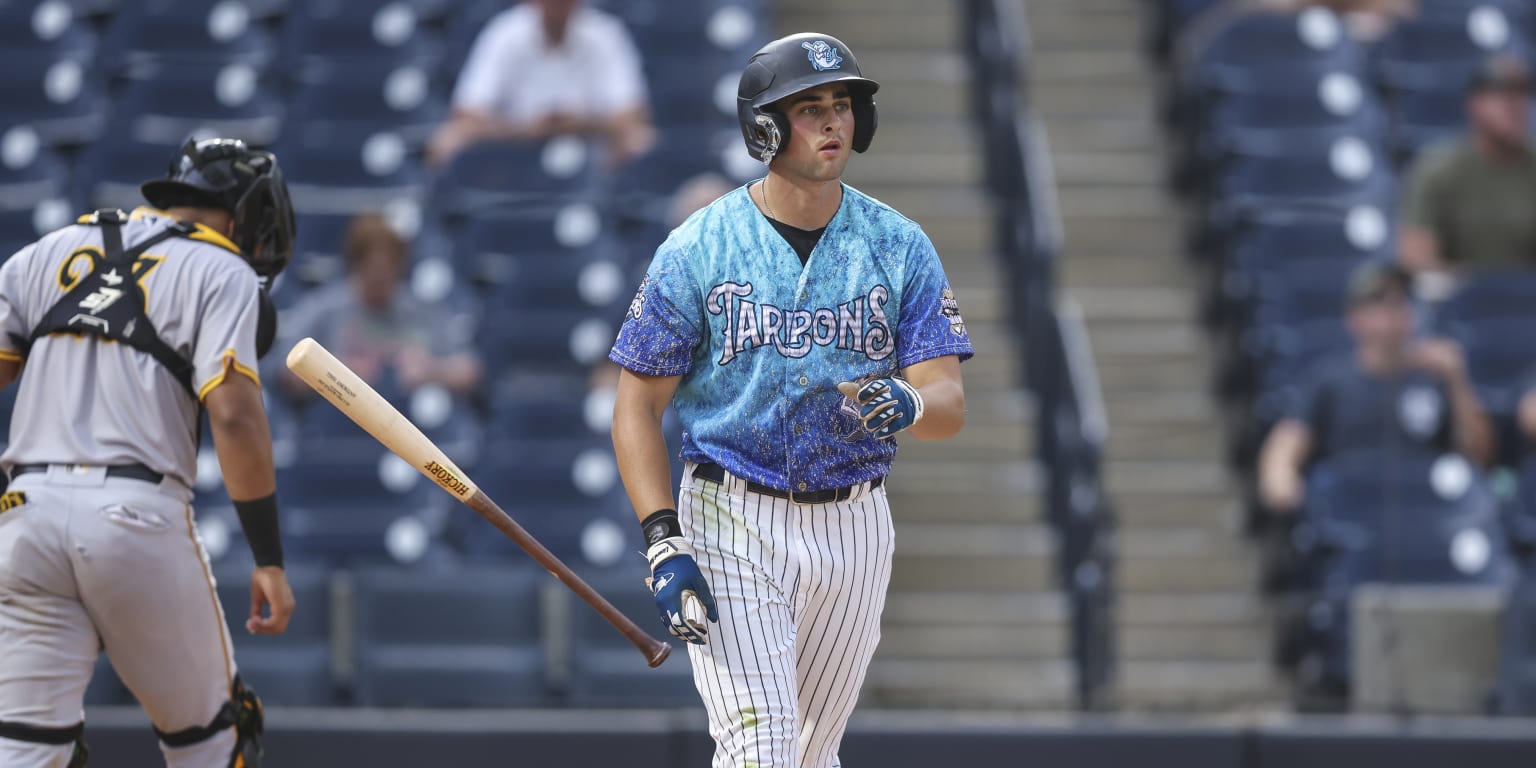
point(126, 327)
point(797, 326)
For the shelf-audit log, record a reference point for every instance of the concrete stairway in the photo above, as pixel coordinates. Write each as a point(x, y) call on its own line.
point(1192, 630)
point(973, 618)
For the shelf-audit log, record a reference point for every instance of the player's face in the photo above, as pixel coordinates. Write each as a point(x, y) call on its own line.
point(820, 135)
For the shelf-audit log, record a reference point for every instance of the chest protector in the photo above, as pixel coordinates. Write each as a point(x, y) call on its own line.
point(110, 303)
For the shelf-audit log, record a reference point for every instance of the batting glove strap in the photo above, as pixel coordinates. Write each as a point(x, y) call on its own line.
point(888, 406)
point(666, 549)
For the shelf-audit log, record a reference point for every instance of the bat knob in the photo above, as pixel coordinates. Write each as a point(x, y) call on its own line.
point(659, 655)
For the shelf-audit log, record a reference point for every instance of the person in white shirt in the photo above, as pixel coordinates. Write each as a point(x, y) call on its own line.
point(545, 68)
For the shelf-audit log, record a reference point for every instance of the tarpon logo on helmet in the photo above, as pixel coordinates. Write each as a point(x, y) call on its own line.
point(822, 55)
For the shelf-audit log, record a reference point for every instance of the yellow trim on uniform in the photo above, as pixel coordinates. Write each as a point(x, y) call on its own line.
point(213, 594)
point(229, 363)
point(207, 235)
point(68, 277)
point(12, 356)
point(199, 231)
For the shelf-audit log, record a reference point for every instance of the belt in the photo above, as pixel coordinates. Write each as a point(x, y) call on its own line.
point(716, 473)
point(129, 471)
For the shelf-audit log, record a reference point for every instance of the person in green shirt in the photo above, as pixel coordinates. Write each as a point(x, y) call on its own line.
point(1471, 203)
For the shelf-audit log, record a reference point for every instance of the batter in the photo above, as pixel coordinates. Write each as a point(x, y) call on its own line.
point(126, 327)
point(797, 326)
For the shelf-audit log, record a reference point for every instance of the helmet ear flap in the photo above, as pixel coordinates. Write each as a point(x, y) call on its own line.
point(866, 118)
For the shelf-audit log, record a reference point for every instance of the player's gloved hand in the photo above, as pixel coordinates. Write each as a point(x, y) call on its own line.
point(682, 595)
point(886, 406)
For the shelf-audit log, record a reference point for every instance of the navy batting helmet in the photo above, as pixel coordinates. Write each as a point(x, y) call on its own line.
point(225, 173)
point(788, 66)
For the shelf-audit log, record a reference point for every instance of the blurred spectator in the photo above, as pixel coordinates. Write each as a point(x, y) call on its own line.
point(372, 323)
point(1469, 204)
point(547, 68)
point(695, 193)
point(1413, 396)
point(1527, 413)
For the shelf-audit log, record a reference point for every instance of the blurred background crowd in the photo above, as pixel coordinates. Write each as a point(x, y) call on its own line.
point(1362, 187)
point(479, 186)
point(1351, 191)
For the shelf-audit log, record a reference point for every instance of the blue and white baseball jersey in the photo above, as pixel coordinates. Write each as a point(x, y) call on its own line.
point(761, 342)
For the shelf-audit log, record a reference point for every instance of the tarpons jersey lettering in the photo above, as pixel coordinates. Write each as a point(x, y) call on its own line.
point(760, 339)
point(859, 325)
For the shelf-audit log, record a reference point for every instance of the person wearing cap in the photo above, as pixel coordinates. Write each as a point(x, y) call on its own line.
point(1433, 408)
point(1469, 203)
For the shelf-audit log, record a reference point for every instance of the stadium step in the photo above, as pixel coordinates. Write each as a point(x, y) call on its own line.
point(972, 616)
point(1192, 631)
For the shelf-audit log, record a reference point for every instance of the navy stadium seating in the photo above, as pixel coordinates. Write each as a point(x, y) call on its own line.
point(189, 32)
point(44, 28)
point(606, 670)
point(168, 103)
point(57, 97)
point(393, 96)
point(294, 668)
point(463, 638)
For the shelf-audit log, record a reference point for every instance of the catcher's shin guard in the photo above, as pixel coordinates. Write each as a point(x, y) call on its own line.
point(243, 711)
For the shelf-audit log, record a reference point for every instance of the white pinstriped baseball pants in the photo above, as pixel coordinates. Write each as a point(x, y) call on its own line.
point(800, 588)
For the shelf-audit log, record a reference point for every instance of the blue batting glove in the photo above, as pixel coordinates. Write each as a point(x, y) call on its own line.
point(886, 406)
point(682, 595)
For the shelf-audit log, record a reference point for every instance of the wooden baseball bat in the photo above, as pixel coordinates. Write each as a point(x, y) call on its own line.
point(348, 392)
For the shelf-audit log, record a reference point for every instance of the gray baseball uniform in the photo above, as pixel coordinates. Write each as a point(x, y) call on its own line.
point(89, 560)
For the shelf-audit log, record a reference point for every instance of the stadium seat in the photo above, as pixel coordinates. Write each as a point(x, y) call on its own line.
point(379, 96)
point(294, 668)
point(566, 342)
point(1515, 693)
point(343, 33)
point(1304, 110)
point(44, 28)
point(556, 415)
point(492, 242)
point(349, 501)
point(1491, 314)
point(109, 172)
point(333, 170)
point(473, 638)
point(57, 97)
point(501, 174)
point(34, 193)
point(1256, 51)
point(1441, 48)
point(185, 32)
point(565, 492)
point(1411, 520)
point(551, 281)
point(606, 670)
point(167, 103)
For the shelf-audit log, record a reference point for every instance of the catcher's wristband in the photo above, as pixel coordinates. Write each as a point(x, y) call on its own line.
point(258, 518)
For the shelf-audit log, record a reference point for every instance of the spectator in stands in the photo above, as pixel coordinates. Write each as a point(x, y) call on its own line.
point(1527, 413)
point(547, 68)
point(1469, 204)
point(1412, 394)
point(374, 325)
point(695, 193)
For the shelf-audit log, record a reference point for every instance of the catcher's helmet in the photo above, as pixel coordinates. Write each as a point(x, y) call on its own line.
point(225, 173)
point(788, 66)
